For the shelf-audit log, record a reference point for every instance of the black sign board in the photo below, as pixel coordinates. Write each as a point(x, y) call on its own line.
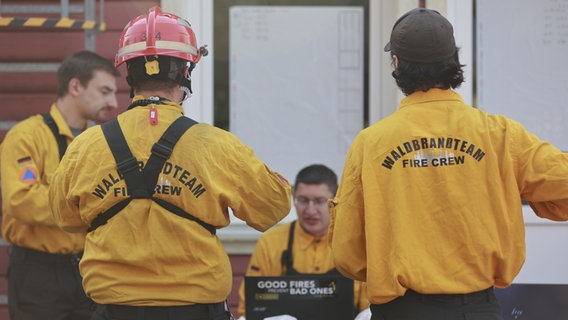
point(306, 297)
point(534, 301)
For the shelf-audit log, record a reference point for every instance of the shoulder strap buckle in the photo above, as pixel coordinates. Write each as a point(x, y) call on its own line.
point(128, 165)
point(161, 150)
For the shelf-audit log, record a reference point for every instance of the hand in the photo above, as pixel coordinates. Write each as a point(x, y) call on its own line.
point(364, 315)
point(281, 317)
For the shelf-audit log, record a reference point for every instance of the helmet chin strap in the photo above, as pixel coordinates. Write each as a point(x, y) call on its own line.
point(185, 85)
point(186, 94)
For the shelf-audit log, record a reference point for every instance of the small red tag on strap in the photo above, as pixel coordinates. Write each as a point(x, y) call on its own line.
point(153, 116)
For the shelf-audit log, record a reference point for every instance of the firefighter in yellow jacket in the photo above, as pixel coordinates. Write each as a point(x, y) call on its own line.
point(429, 210)
point(43, 281)
point(153, 186)
point(302, 246)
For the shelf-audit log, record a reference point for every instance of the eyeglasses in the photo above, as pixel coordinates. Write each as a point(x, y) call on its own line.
point(305, 202)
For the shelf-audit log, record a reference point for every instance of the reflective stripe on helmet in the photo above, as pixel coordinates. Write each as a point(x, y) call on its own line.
point(159, 45)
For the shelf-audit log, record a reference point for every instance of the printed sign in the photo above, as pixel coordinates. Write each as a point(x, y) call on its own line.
point(304, 297)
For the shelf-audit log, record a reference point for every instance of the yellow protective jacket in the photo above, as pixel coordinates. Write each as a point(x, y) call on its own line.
point(311, 255)
point(28, 158)
point(430, 198)
point(146, 255)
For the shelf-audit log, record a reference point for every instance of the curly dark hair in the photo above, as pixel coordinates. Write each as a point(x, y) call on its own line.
point(411, 77)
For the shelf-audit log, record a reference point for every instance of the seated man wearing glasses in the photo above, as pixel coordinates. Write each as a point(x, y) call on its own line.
point(302, 246)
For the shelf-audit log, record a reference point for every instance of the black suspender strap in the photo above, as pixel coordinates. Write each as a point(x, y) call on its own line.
point(61, 140)
point(103, 217)
point(287, 260)
point(141, 183)
point(126, 164)
point(179, 212)
point(162, 150)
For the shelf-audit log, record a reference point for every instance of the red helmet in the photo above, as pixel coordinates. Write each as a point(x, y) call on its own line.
point(158, 33)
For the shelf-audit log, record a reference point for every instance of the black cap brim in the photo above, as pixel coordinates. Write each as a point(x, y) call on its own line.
point(387, 47)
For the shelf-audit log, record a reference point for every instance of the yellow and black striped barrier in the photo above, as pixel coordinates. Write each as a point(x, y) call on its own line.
point(52, 23)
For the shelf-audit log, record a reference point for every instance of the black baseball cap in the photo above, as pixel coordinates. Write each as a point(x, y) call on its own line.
point(422, 35)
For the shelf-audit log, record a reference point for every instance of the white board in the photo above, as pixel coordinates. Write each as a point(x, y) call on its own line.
point(522, 67)
point(522, 64)
point(297, 83)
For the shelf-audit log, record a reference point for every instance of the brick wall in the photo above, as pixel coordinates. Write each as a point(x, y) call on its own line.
point(239, 264)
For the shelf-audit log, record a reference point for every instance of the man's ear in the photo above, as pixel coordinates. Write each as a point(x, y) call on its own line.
point(395, 61)
point(74, 87)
